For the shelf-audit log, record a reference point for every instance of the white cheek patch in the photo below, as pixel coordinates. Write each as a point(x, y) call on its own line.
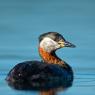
point(49, 45)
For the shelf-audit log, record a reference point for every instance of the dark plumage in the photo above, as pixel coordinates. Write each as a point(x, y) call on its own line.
point(39, 75)
point(51, 72)
point(53, 35)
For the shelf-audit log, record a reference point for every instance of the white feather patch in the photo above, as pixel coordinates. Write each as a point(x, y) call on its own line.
point(49, 45)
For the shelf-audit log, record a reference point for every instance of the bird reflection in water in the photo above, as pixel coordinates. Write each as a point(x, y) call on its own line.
point(48, 75)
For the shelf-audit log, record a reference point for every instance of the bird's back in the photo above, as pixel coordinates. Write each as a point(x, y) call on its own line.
point(36, 74)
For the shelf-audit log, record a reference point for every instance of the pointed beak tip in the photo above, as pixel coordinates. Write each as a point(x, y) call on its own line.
point(73, 46)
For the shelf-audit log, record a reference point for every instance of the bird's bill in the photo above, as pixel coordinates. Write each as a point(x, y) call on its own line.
point(66, 44)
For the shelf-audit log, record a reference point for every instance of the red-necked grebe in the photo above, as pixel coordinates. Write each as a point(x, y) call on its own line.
point(32, 74)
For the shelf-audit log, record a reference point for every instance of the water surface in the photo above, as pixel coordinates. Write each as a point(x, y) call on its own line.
point(22, 21)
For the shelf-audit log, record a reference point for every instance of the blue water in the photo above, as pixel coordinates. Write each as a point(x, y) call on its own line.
point(21, 23)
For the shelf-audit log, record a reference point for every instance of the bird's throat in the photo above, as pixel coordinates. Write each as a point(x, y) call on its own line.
point(50, 58)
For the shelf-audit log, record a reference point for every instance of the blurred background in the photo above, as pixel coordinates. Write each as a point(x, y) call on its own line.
point(21, 23)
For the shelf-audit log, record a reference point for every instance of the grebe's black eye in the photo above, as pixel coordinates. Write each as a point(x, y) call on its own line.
point(58, 37)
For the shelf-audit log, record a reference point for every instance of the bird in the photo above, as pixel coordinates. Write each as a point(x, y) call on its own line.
point(50, 72)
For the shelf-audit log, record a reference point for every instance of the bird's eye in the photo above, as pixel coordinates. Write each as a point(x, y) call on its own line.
point(58, 38)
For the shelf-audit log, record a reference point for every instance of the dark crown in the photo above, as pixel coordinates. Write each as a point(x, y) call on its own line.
point(53, 35)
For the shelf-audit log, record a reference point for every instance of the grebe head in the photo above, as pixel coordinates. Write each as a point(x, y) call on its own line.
point(52, 41)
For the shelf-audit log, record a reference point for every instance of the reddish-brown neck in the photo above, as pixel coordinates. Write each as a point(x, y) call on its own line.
point(50, 57)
